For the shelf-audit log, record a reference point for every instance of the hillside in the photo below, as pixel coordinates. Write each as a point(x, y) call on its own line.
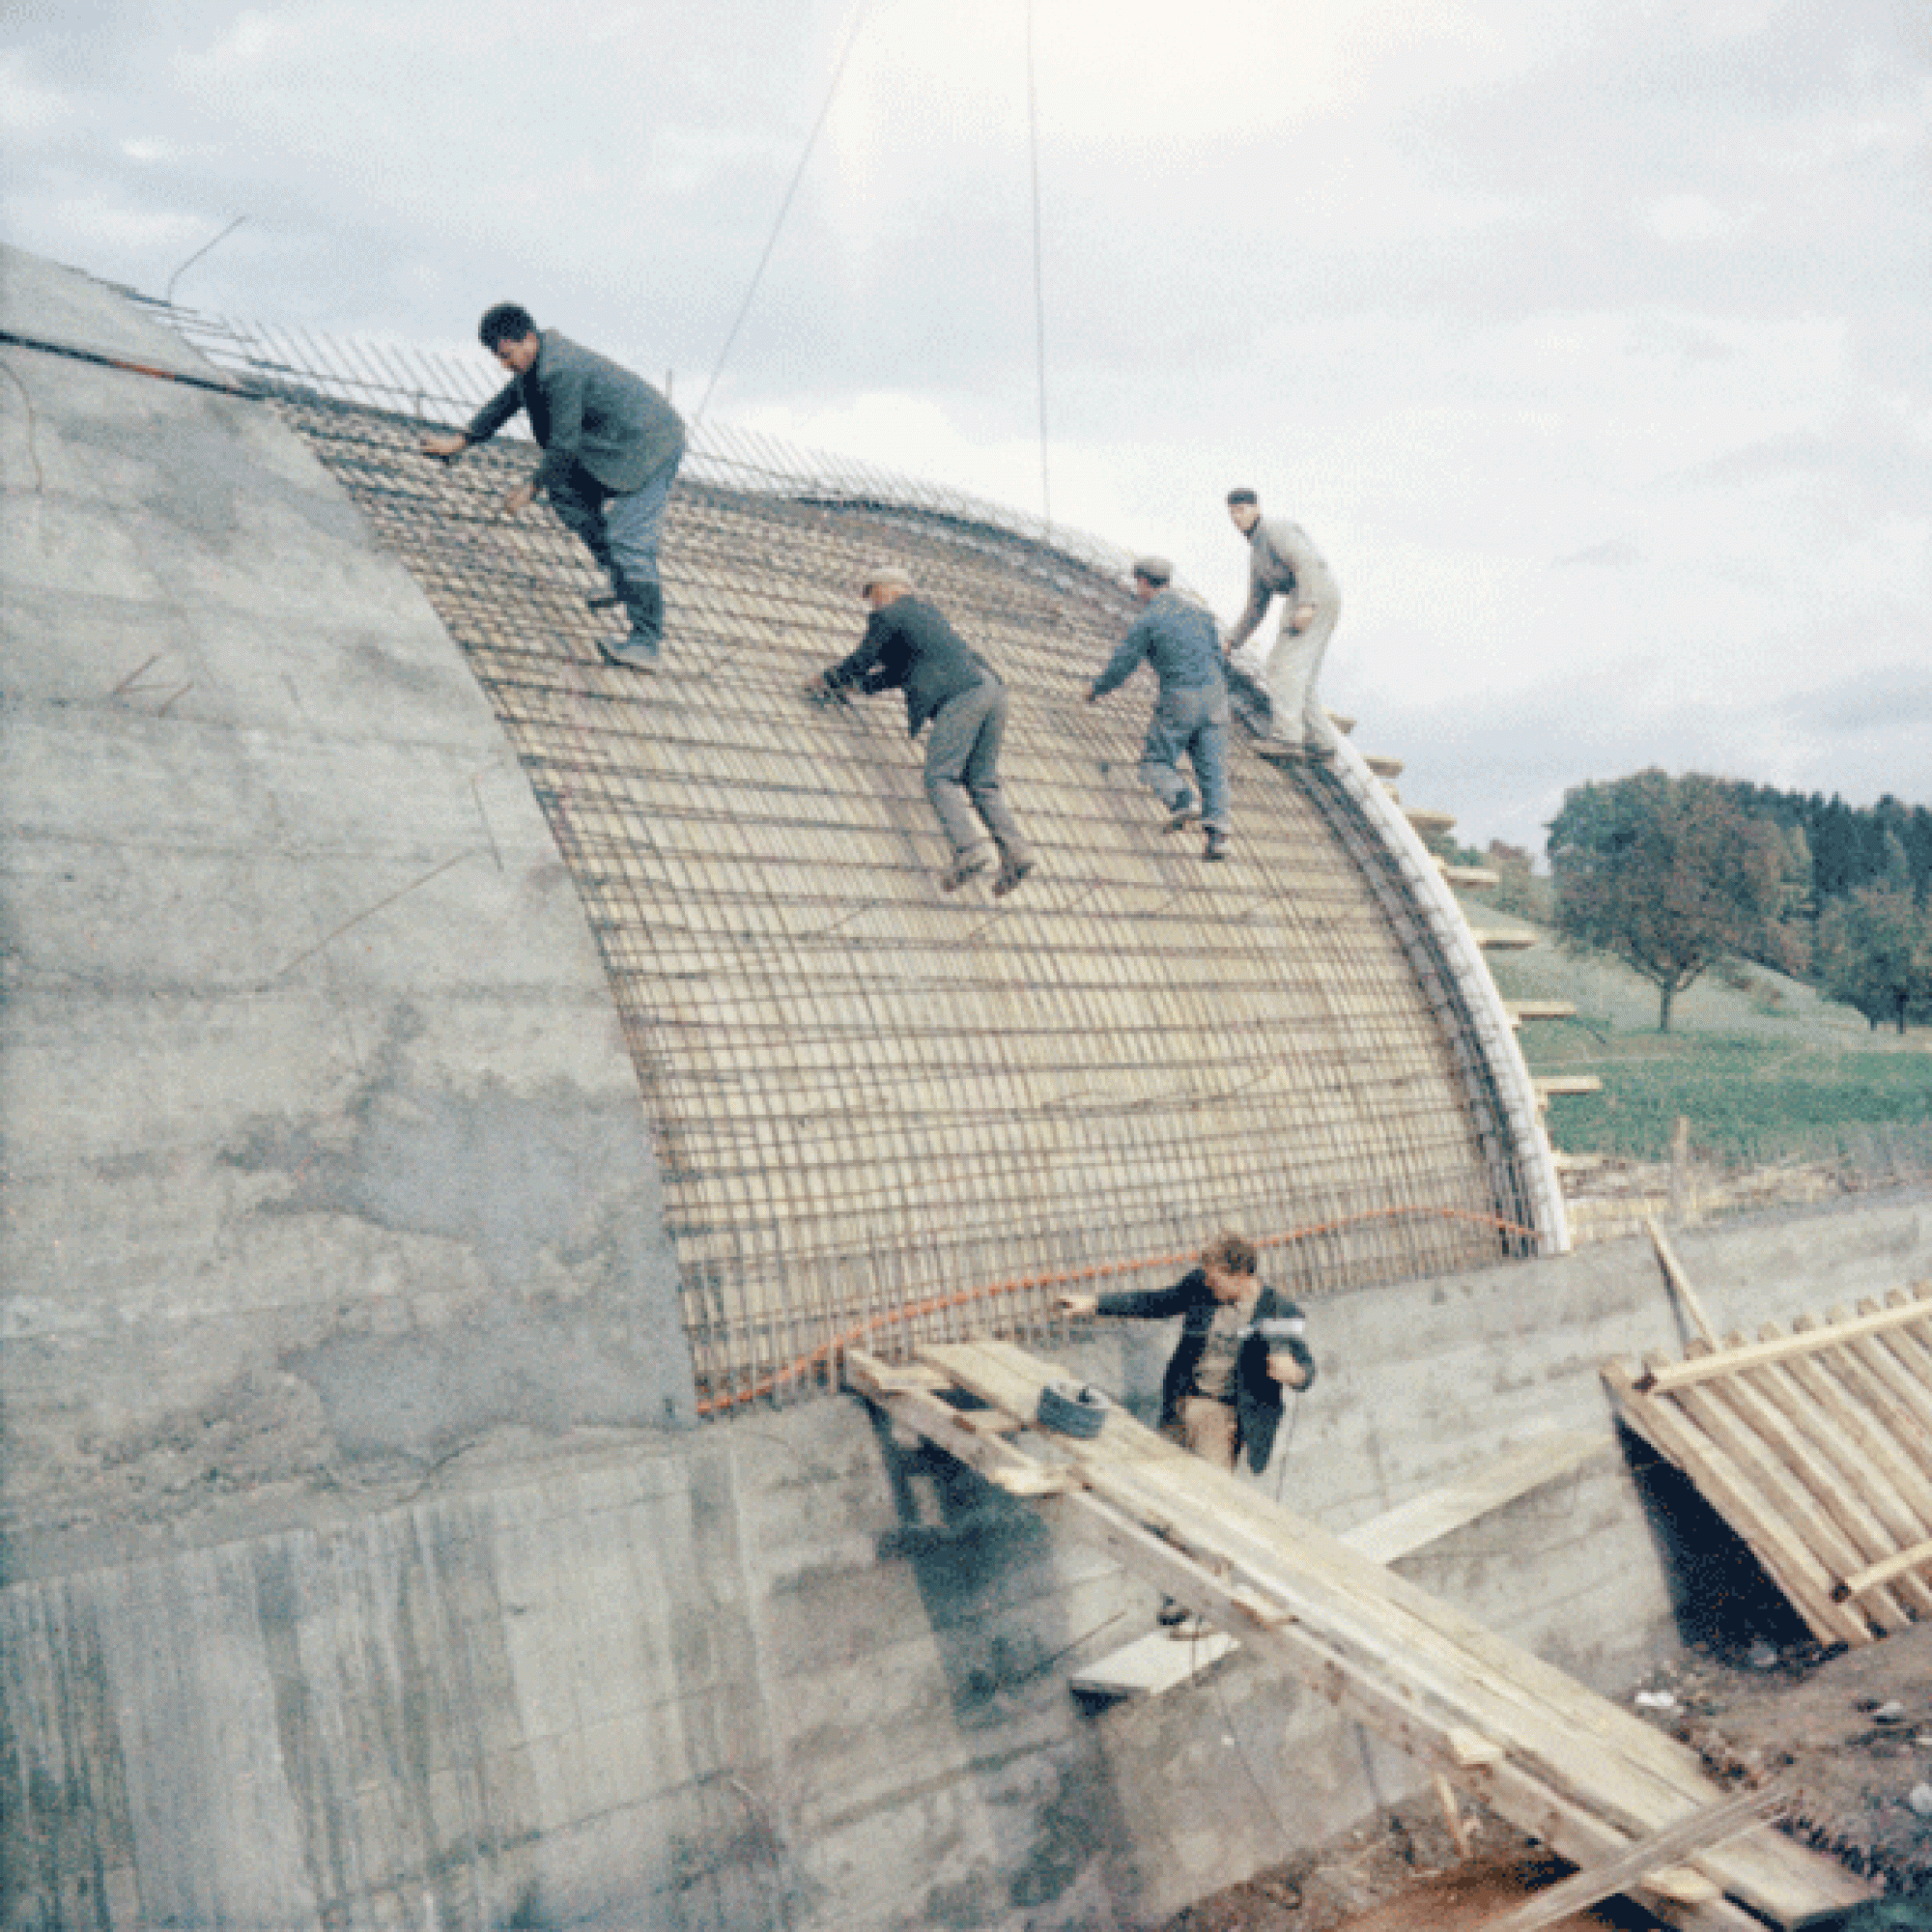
point(1761, 1067)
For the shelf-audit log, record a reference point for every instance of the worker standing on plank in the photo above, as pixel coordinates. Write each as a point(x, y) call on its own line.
point(612, 446)
point(1240, 1344)
point(1190, 715)
point(908, 645)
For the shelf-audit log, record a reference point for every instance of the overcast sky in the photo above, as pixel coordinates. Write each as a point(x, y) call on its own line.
point(1588, 339)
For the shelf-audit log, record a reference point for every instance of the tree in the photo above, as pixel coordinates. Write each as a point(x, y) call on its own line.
point(1875, 952)
point(1517, 891)
point(1667, 874)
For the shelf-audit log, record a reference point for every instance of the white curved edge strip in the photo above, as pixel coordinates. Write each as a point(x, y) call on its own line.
point(1494, 1036)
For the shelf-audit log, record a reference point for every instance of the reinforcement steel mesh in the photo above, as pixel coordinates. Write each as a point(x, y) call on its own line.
point(885, 1113)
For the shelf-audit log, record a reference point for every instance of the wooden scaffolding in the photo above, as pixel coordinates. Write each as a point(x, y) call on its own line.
point(1595, 1783)
point(1814, 1443)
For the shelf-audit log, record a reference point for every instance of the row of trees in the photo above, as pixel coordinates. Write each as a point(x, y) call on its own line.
point(1671, 874)
point(1841, 848)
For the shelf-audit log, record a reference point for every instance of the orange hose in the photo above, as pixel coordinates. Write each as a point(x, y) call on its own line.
point(1095, 1271)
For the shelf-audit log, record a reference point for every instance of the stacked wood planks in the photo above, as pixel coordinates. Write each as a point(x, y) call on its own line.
point(1561, 1763)
point(1815, 1446)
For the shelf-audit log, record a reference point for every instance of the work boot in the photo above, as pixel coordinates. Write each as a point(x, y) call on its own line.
point(1180, 817)
point(1285, 752)
point(1216, 847)
point(632, 652)
point(641, 650)
point(967, 865)
point(1014, 865)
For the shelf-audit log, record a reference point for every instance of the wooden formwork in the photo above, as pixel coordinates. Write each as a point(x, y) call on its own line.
point(1814, 1443)
point(1571, 1767)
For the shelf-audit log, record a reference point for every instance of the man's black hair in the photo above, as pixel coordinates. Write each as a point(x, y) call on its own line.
point(507, 322)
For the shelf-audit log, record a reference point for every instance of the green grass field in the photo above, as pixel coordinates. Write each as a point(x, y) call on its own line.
point(1760, 1066)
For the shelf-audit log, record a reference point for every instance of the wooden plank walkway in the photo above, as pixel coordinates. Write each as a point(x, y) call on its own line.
point(1564, 1765)
point(1164, 1661)
point(1815, 1446)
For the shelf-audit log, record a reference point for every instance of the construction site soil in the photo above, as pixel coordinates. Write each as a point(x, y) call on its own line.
point(1848, 1733)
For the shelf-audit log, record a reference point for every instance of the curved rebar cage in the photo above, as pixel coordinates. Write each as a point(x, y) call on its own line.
point(885, 1115)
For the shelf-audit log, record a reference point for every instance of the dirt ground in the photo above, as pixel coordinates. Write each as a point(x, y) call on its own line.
point(1849, 1731)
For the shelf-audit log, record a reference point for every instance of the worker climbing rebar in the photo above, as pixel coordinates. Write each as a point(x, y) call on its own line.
point(612, 446)
point(1190, 715)
point(909, 645)
point(1283, 563)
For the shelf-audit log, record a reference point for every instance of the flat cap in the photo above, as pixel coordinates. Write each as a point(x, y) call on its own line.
point(1156, 569)
point(878, 574)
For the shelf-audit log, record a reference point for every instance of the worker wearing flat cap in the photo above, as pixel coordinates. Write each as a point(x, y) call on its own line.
point(1177, 637)
point(909, 646)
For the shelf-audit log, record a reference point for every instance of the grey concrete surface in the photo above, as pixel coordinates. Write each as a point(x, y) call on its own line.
point(778, 1674)
point(323, 1143)
point(358, 1572)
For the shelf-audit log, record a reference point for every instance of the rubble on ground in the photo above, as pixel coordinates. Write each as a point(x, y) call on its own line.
point(1848, 1731)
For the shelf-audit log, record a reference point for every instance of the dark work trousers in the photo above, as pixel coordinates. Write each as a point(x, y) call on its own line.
point(962, 770)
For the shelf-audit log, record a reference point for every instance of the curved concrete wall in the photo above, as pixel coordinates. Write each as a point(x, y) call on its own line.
point(322, 1136)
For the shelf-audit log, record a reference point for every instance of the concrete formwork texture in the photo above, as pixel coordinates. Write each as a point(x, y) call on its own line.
point(438, 1071)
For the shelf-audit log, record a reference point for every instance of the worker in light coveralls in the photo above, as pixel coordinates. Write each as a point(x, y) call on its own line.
point(612, 446)
point(1240, 1345)
point(1177, 637)
point(1283, 563)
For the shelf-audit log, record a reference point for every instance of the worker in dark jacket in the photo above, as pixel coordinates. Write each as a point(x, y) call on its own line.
point(1240, 1344)
point(909, 646)
point(1177, 638)
point(612, 446)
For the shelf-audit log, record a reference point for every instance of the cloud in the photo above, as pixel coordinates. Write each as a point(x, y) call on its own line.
point(1881, 699)
point(1587, 341)
point(1616, 554)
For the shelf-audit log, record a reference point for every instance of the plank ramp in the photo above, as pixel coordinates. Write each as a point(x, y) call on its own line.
point(1562, 1764)
point(1162, 1662)
point(1814, 1443)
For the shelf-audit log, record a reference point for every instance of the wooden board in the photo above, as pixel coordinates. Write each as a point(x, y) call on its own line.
point(1814, 1443)
point(1428, 1518)
point(1151, 1666)
point(1561, 1763)
point(1595, 1883)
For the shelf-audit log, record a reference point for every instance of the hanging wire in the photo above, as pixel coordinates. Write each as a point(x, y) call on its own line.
point(1038, 280)
point(168, 294)
point(784, 209)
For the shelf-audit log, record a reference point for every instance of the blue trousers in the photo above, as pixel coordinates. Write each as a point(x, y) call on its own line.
point(620, 529)
point(1192, 720)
